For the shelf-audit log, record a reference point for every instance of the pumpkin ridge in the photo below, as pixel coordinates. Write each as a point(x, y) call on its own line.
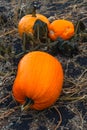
point(39, 77)
point(39, 101)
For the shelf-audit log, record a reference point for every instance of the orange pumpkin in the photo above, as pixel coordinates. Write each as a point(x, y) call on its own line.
point(40, 78)
point(61, 28)
point(27, 22)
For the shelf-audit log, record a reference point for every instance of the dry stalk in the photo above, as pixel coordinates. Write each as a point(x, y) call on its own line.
point(2, 74)
point(8, 112)
point(2, 57)
point(3, 99)
point(78, 113)
point(9, 32)
point(60, 116)
point(80, 77)
point(74, 99)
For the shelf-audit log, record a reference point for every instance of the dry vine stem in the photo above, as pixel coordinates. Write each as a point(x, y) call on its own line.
point(8, 112)
point(2, 57)
point(82, 75)
point(3, 99)
point(60, 116)
point(9, 32)
point(76, 112)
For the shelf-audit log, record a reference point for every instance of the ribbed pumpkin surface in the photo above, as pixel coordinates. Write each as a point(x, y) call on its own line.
point(39, 77)
point(27, 22)
point(61, 28)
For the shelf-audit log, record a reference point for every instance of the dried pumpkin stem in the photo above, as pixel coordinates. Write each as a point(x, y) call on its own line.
point(34, 12)
point(28, 102)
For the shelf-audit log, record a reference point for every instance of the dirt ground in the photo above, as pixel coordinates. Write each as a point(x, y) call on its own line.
point(70, 110)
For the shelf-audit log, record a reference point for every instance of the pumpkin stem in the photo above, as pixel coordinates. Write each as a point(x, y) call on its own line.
point(28, 102)
point(34, 11)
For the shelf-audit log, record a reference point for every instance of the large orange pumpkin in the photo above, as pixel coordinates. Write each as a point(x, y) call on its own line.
point(61, 28)
point(40, 78)
point(26, 23)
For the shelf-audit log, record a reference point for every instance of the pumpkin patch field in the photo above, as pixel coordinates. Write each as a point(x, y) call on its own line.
point(43, 65)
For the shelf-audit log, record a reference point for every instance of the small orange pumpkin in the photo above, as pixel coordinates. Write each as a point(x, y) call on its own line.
point(40, 78)
point(27, 22)
point(61, 28)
